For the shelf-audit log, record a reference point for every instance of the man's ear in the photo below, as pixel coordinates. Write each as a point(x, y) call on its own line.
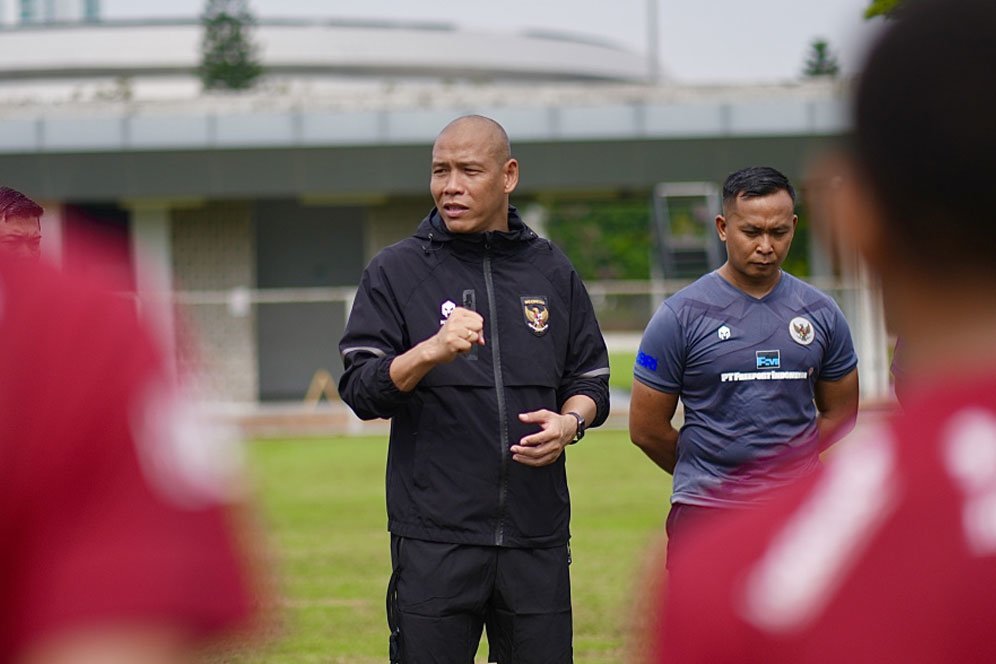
point(721, 227)
point(511, 175)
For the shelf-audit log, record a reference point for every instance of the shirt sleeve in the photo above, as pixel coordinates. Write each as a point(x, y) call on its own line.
point(375, 334)
point(840, 357)
point(587, 367)
point(660, 360)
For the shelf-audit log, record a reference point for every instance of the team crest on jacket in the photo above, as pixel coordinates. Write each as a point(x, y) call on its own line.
point(536, 313)
point(801, 330)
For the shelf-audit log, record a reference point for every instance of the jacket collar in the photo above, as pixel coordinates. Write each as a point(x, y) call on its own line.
point(434, 229)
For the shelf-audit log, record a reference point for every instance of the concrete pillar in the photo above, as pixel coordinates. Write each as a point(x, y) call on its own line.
point(9, 14)
point(873, 351)
point(866, 316)
point(152, 258)
point(820, 262)
point(53, 224)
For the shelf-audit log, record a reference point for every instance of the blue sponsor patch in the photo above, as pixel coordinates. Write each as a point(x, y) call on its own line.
point(646, 361)
point(768, 359)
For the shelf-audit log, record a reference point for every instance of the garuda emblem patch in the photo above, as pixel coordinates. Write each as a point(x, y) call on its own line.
point(801, 331)
point(536, 313)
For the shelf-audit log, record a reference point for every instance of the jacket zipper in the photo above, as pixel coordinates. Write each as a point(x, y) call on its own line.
point(503, 444)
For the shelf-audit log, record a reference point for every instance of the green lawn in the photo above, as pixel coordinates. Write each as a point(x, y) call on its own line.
point(323, 504)
point(621, 369)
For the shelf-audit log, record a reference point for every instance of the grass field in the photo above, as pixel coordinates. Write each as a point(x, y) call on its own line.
point(323, 505)
point(621, 369)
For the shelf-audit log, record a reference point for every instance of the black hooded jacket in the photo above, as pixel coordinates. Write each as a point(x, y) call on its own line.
point(450, 474)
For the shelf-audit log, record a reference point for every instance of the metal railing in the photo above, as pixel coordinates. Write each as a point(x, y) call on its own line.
point(622, 306)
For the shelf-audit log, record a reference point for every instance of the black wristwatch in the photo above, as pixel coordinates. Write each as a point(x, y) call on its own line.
point(580, 432)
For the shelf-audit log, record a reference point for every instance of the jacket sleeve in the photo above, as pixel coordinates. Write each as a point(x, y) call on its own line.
point(375, 334)
point(587, 368)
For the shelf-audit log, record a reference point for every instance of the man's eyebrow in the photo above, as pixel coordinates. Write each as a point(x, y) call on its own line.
point(462, 162)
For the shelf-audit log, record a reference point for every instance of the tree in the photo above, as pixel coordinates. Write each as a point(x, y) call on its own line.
point(820, 61)
point(229, 59)
point(607, 239)
point(887, 8)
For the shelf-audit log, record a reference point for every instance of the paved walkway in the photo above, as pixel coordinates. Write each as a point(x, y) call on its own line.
point(622, 341)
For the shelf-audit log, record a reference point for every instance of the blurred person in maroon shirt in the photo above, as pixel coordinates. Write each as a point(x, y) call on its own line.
point(120, 520)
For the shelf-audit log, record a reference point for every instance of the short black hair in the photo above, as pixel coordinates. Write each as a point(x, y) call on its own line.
point(925, 131)
point(755, 181)
point(15, 204)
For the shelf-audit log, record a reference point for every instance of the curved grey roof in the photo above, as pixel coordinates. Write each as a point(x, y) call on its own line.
point(353, 48)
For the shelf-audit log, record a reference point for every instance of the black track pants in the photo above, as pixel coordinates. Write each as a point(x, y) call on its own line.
point(442, 595)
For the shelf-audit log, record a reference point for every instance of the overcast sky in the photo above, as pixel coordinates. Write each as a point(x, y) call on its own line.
point(701, 41)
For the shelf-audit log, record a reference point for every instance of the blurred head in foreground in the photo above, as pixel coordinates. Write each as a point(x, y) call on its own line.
point(889, 553)
point(20, 225)
point(117, 501)
point(915, 195)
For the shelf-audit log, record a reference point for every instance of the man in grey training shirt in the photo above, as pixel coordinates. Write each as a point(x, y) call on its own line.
point(763, 364)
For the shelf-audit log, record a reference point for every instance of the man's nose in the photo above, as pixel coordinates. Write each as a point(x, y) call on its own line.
point(454, 183)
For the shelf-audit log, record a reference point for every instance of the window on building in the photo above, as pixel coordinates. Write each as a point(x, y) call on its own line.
point(29, 11)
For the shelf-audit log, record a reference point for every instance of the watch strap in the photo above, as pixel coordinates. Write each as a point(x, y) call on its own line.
point(580, 431)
